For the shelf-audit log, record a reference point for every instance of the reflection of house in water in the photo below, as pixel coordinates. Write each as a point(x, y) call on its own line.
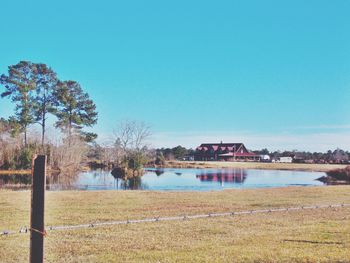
point(235, 176)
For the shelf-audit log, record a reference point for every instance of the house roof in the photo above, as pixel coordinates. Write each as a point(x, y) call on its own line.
point(215, 147)
point(231, 147)
point(225, 150)
point(236, 145)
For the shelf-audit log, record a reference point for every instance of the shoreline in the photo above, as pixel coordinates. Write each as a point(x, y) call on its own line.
point(25, 172)
point(10, 172)
point(253, 165)
point(222, 165)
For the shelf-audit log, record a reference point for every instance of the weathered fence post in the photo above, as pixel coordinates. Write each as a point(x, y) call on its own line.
point(37, 228)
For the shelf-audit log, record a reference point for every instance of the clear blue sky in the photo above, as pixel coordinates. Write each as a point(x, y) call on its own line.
point(277, 71)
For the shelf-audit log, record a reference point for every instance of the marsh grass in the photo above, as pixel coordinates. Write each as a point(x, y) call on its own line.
point(321, 235)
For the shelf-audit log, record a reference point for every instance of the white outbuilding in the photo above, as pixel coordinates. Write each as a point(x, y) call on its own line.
point(285, 159)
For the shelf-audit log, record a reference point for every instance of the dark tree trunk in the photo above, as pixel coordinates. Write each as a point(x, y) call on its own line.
point(25, 136)
point(43, 133)
point(70, 128)
point(43, 124)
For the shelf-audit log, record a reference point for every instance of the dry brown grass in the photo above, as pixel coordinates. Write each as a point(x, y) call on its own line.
point(256, 165)
point(300, 236)
point(15, 171)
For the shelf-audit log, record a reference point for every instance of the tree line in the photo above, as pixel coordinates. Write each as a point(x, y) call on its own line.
point(335, 156)
point(37, 93)
point(176, 153)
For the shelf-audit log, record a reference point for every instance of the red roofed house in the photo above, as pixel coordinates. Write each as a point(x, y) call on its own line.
point(224, 152)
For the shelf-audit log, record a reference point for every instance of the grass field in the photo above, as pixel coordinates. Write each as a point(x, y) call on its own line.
point(256, 165)
point(321, 235)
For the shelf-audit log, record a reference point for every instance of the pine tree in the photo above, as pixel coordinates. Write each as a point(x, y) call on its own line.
point(44, 101)
point(75, 109)
point(19, 84)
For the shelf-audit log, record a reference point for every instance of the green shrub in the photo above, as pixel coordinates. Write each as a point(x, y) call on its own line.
point(25, 157)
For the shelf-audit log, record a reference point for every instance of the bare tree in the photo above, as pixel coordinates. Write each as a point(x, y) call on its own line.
point(141, 134)
point(124, 134)
point(68, 153)
point(9, 145)
point(131, 143)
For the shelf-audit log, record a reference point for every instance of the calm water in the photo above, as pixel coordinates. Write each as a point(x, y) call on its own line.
point(180, 180)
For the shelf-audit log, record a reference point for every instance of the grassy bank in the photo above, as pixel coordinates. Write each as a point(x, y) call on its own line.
point(6, 172)
point(255, 165)
point(300, 236)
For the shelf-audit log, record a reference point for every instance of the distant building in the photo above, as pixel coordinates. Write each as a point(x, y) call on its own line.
point(285, 159)
point(224, 152)
point(265, 158)
point(188, 158)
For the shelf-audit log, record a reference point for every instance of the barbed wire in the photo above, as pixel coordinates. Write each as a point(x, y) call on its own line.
point(24, 229)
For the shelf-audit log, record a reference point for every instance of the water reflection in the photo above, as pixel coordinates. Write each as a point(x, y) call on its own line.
point(15, 181)
point(134, 183)
point(233, 176)
point(54, 181)
point(61, 181)
point(158, 172)
point(168, 179)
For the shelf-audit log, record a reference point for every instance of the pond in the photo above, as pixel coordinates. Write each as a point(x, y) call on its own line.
point(169, 179)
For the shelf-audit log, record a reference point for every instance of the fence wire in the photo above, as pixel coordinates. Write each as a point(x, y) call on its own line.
point(24, 229)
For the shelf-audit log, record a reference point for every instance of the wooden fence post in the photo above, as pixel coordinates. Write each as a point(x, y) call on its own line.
point(37, 228)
